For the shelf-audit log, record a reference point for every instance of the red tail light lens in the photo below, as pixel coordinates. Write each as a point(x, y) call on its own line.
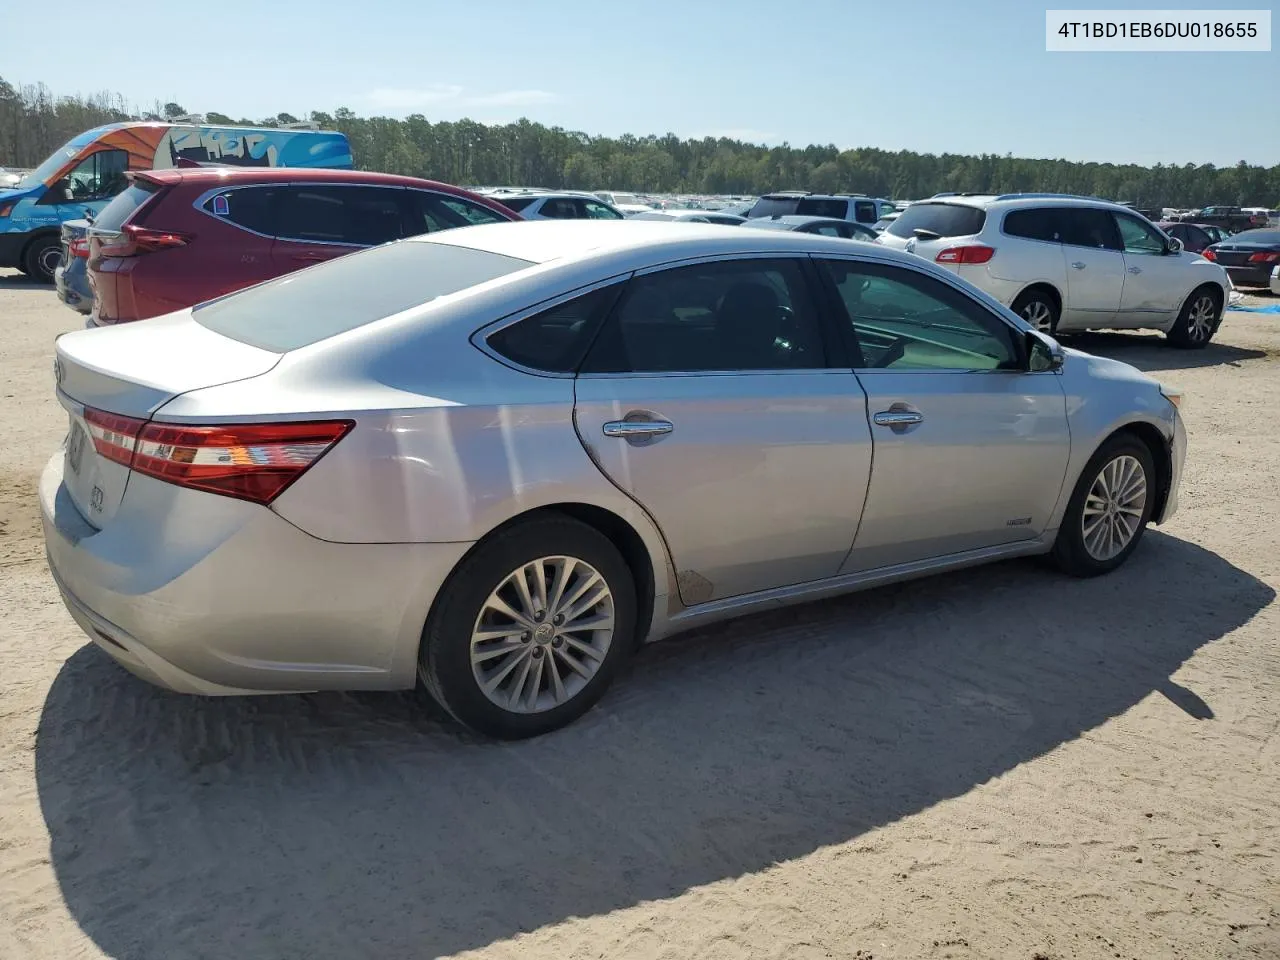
point(134, 240)
point(1208, 253)
point(974, 253)
point(249, 461)
point(1265, 258)
point(78, 247)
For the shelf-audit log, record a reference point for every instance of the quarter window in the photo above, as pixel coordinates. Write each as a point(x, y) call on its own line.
point(903, 320)
point(1137, 237)
point(358, 216)
point(555, 339)
point(723, 316)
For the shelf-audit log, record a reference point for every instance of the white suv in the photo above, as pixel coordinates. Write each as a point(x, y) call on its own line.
point(1069, 263)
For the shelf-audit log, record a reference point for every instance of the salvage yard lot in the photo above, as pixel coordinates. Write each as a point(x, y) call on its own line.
point(994, 763)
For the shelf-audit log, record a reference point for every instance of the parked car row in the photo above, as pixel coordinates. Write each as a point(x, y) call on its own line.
point(494, 460)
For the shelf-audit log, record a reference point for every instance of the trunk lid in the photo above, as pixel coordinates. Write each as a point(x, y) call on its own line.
point(130, 372)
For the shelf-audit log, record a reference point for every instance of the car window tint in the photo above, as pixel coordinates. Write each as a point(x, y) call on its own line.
point(728, 315)
point(302, 308)
point(1084, 227)
point(361, 216)
point(1036, 224)
point(598, 211)
point(864, 211)
point(823, 207)
point(118, 212)
point(555, 339)
point(431, 212)
point(1138, 237)
point(904, 320)
point(942, 219)
point(250, 207)
point(774, 207)
point(515, 203)
point(560, 208)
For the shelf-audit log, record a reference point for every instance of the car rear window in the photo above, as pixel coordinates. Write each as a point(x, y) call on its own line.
point(823, 207)
point(303, 308)
point(943, 219)
point(117, 213)
point(774, 207)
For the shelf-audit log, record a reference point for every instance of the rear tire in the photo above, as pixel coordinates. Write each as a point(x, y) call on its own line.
point(1039, 309)
point(41, 258)
point(1198, 320)
point(512, 677)
point(1109, 509)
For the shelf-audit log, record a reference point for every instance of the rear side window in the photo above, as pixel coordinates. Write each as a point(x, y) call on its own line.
point(302, 308)
point(864, 211)
point(359, 216)
point(1086, 227)
point(774, 207)
point(117, 213)
point(250, 207)
point(1039, 224)
point(557, 339)
point(515, 203)
point(941, 219)
point(823, 207)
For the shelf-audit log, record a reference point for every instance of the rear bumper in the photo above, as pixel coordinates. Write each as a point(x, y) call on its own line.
point(73, 286)
point(213, 596)
point(1258, 275)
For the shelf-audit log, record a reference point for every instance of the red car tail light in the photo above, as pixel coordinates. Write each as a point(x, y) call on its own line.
point(1265, 258)
point(79, 247)
point(1208, 254)
point(974, 253)
point(249, 461)
point(135, 240)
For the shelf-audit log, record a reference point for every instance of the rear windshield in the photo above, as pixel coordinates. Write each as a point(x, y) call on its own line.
point(117, 213)
point(1258, 236)
point(774, 207)
point(823, 207)
point(302, 308)
point(515, 203)
point(944, 219)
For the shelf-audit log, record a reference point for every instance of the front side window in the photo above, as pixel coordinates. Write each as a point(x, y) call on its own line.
point(734, 315)
point(904, 320)
point(1138, 237)
point(598, 211)
point(1085, 227)
point(555, 339)
point(357, 216)
point(97, 176)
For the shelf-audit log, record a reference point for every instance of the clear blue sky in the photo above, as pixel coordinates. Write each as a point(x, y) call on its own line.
point(934, 75)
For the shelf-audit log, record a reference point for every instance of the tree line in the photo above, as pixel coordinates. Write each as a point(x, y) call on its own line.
point(34, 122)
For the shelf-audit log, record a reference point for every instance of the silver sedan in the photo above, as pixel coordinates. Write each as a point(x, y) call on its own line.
point(494, 460)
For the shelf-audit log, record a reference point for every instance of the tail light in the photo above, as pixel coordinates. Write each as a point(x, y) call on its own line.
point(1208, 254)
point(134, 240)
point(973, 253)
point(248, 461)
point(1265, 258)
point(79, 247)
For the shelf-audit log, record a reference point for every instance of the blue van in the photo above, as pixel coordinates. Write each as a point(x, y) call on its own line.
point(80, 178)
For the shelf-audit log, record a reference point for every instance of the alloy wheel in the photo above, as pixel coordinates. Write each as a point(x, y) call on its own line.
point(1200, 319)
point(1114, 507)
point(1038, 314)
point(542, 634)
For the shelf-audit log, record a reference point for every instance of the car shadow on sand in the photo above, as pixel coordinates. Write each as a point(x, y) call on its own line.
point(20, 281)
point(339, 826)
point(1153, 353)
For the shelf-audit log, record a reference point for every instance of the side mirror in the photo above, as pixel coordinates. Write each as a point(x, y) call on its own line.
point(1173, 245)
point(1043, 353)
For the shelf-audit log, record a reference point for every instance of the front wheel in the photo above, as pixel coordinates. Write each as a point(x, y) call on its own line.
point(41, 258)
point(530, 630)
point(1109, 509)
point(1197, 321)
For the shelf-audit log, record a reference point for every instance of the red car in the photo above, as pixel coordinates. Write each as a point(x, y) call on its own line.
point(179, 237)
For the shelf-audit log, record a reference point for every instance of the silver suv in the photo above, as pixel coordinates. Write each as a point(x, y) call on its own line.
point(1067, 263)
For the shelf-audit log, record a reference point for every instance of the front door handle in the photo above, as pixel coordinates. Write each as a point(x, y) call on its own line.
point(1079, 265)
point(629, 429)
point(1135, 270)
point(897, 418)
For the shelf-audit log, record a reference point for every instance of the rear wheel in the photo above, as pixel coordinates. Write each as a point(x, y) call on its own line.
point(1039, 309)
point(1109, 509)
point(41, 258)
point(530, 630)
point(1198, 320)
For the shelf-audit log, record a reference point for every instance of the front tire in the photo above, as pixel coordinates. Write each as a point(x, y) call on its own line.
point(1109, 509)
point(530, 630)
point(42, 257)
point(1197, 321)
point(1039, 309)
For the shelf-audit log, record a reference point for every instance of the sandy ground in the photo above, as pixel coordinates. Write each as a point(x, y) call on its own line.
point(1000, 763)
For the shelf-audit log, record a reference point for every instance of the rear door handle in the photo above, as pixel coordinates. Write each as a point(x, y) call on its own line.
point(1079, 265)
point(628, 429)
point(1135, 270)
point(897, 418)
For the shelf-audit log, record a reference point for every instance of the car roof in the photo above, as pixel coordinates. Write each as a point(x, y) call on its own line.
point(213, 176)
point(792, 221)
point(1014, 200)
point(634, 245)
